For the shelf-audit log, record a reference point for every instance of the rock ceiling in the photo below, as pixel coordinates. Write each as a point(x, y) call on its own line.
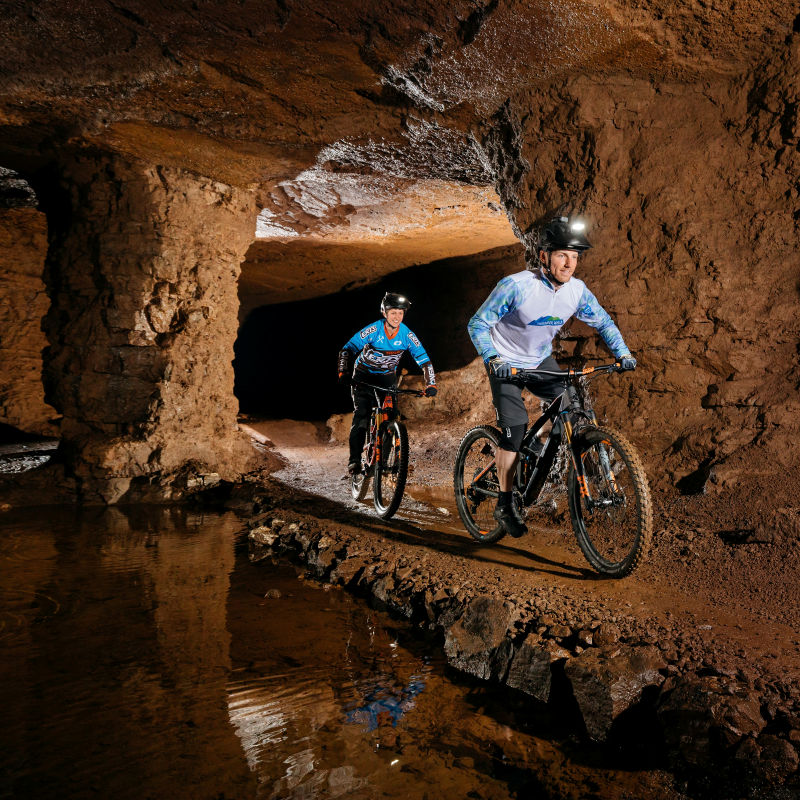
point(352, 120)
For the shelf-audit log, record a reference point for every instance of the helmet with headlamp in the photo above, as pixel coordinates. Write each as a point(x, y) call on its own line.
point(393, 300)
point(562, 234)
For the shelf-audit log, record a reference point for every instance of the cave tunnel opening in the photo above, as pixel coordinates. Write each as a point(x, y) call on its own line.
point(285, 354)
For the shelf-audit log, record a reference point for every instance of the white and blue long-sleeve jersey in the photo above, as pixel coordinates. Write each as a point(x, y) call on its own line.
point(523, 314)
point(379, 355)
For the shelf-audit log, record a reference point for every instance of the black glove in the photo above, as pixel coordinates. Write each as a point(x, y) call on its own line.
point(627, 362)
point(499, 368)
point(430, 391)
point(344, 366)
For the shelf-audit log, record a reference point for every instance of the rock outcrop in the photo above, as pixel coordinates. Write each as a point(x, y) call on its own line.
point(23, 304)
point(351, 135)
point(593, 673)
point(142, 271)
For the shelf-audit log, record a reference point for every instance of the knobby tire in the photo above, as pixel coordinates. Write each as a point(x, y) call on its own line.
point(615, 533)
point(476, 451)
point(391, 469)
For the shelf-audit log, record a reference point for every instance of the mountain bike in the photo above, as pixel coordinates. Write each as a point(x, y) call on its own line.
point(385, 453)
point(608, 493)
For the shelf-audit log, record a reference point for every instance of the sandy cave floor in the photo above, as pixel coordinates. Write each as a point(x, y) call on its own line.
point(721, 603)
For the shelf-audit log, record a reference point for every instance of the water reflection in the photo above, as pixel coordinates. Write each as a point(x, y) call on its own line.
point(384, 703)
point(114, 674)
point(142, 655)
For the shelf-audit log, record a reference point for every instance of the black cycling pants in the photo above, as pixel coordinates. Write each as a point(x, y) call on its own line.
point(363, 405)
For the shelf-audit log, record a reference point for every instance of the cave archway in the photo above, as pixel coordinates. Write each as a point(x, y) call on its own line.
point(285, 363)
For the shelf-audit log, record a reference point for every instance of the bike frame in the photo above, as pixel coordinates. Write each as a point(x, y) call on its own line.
point(385, 410)
point(558, 413)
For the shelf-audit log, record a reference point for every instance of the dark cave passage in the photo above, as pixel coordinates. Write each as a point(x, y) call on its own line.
point(285, 363)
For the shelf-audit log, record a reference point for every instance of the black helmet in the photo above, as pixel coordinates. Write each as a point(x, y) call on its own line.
point(561, 234)
point(394, 300)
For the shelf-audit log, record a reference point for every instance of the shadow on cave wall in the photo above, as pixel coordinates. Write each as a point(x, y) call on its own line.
point(285, 355)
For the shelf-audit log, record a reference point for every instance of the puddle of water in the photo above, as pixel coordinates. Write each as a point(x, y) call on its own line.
point(142, 655)
point(18, 457)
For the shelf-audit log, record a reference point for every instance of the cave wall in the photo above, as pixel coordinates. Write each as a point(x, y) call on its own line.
point(685, 166)
point(23, 304)
point(141, 271)
point(691, 192)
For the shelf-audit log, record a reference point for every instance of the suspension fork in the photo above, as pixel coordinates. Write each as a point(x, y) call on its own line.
point(606, 464)
point(373, 445)
point(577, 463)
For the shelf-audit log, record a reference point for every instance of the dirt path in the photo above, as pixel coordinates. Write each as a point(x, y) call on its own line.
point(703, 598)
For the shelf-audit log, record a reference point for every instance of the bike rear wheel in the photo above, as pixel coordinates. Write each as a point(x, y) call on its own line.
point(613, 519)
point(475, 484)
point(391, 469)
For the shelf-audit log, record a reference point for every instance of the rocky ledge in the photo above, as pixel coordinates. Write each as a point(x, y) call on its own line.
point(617, 677)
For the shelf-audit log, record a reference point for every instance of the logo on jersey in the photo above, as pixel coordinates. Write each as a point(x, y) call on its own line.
point(547, 321)
point(380, 360)
point(367, 331)
point(414, 339)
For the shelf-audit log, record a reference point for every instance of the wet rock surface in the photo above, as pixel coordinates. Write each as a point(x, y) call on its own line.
point(608, 681)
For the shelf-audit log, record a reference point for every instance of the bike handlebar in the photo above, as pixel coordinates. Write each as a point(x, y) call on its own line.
point(392, 389)
point(569, 374)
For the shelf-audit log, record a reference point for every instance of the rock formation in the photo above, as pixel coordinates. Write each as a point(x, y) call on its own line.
point(337, 145)
point(23, 236)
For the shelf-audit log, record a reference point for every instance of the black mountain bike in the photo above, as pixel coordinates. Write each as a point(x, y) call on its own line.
point(385, 453)
point(609, 497)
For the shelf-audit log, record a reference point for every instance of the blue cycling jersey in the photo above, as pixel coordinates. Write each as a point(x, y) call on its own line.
point(380, 355)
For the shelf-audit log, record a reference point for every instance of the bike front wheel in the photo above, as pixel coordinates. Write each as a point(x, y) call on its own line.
point(612, 514)
point(391, 469)
point(475, 484)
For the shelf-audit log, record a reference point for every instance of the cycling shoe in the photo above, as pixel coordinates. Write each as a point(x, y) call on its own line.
point(510, 521)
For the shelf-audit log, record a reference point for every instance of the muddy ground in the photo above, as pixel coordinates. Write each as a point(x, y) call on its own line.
point(731, 589)
point(717, 599)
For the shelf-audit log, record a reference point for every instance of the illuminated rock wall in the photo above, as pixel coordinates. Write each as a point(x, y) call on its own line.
point(23, 303)
point(142, 271)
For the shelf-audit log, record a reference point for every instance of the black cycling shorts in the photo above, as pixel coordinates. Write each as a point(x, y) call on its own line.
point(507, 394)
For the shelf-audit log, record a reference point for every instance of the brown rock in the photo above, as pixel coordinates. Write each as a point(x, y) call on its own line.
point(607, 682)
point(346, 572)
point(23, 303)
point(606, 635)
point(530, 669)
point(478, 641)
point(778, 758)
point(702, 716)
point(263, 535)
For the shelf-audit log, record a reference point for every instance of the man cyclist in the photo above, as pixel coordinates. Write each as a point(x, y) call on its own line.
point(377, 349)
point(515, 327)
